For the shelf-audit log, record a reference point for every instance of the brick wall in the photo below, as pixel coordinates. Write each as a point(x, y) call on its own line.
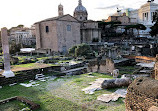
point(142, 94)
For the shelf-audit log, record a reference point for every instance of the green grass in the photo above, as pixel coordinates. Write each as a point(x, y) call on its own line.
point(13, 106)
point(63, 94)
point(26, 65)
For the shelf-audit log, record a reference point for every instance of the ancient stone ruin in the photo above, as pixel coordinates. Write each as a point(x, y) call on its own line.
point(142, 95)
point(5, 46)
point(102, 66)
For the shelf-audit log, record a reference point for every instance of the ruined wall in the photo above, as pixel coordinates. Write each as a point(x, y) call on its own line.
point(104, 66)
point(142, 94)
point(156, 68)
point(22, 76)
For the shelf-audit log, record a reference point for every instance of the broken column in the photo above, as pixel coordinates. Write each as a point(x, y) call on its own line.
point(5, 46)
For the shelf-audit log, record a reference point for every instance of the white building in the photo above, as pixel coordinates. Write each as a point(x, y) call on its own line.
point(24, 36)
point(144, 15)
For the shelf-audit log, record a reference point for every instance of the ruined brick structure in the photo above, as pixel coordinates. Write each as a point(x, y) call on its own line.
point(142, 95)
point(104, 66)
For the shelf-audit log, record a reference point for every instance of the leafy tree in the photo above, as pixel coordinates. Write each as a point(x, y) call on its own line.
point(21, 26)
point(72, 50)
point(154, 28)
point(140, 27)
point(82, 50)
point(137, 26)
point(13, 47)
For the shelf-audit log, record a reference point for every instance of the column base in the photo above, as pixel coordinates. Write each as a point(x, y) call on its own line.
point(8, 74)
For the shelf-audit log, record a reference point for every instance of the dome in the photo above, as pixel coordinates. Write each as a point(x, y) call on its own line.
point(80, 12)
point(80, 8)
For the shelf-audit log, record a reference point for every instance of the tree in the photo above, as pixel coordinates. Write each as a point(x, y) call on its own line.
point(140, 27)
point(82, 50)
point(137, 26)
point(13, 47)
point(72, 50)
point(21, 26)
point(154, 28)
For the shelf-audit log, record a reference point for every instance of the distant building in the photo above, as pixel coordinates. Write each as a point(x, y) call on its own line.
point(57, 34)
point(125, 20)
point(24, 36)
point(144, 15)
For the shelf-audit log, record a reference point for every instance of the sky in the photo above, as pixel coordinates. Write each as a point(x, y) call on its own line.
point(27, 12)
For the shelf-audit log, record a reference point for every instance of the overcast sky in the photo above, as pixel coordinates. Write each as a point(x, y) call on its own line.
point(27, 12)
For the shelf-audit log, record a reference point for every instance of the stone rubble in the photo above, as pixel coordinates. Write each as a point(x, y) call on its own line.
point(12, 84)
point(113, 97)
point(94, 86)
point(31, 83)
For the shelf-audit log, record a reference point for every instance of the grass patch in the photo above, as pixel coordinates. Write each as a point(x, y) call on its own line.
point(26, 65)
point(13, 106)
point(63, 94)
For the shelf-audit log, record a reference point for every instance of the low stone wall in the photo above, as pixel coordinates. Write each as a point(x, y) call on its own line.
point(142, 94)
point(33, 106)
point(24, 75)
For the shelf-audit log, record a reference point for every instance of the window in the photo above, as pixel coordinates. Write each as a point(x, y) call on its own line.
point(47, 29)
point(68, 27)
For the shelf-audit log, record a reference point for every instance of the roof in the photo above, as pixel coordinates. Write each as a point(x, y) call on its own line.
point(56, 18)
point(149, 4)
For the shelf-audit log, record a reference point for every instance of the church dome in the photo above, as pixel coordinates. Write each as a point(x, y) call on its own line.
point(80, 8)
point(80, 12)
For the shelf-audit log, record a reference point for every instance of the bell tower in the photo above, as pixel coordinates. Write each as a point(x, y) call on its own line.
point(60, 10)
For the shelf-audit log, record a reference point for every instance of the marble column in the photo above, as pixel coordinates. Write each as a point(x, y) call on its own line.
point(5, 46)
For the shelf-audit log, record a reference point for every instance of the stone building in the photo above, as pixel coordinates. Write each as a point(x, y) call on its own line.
point(125, 20)
point(60, 33)
point(57, 34)
point(24, 36)
point(144, 15)
point(89, 28)
point(90, 32)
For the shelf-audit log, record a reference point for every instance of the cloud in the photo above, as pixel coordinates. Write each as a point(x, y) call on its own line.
point(109, 7)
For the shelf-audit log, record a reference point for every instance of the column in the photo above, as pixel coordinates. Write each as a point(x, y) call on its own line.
point(147, 16)
point(5, 46)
